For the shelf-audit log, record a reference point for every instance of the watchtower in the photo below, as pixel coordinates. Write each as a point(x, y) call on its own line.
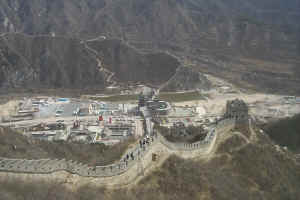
point(237, 109)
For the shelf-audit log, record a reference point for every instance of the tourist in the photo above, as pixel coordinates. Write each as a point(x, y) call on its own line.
point(131, 155)
point(141, 144)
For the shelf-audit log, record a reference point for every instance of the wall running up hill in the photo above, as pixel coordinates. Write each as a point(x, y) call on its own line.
point(47, 166)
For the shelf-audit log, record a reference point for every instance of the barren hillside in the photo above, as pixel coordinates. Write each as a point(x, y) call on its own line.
point(252, 43)
point(60, 62)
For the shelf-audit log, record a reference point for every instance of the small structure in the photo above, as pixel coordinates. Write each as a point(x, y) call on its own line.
point(158, 107)
point(100, 108)
point(147, 94)
point(149, 102)
point(200, 111)
point(238, 110)
point(63, 100)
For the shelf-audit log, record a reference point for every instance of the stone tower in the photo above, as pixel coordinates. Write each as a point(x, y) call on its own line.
point(238, 110)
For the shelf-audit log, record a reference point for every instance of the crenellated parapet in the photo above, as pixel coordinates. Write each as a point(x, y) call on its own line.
point(48, 166)
point(204, 145)
point(237, 109)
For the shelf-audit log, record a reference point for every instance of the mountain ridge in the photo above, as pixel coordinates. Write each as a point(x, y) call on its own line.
point(243, 42)
point(62, 62)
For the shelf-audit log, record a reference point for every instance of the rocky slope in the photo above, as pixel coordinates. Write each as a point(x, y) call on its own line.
point(30, 62)
point(286, 132)
point(187, 78)
point(129, 65)
point(253, 43)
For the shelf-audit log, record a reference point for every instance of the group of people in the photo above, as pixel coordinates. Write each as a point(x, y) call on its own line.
point(130, 155)
point(143, 143)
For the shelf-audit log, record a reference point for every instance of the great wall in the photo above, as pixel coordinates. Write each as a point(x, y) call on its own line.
point(122, 172)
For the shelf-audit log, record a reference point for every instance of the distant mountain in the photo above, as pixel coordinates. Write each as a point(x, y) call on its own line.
point(46, 62)
point(254, 43)
point(58, 62)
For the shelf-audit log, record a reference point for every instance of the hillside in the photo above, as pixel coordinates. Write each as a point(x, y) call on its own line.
point(129, 65)
point(241, 168)
point(187, 78)
point(285, 132)
point(254, 44)
point(33, 62)
point(15, 145)
point(43, 62)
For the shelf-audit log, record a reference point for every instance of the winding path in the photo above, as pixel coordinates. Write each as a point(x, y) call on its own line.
point(111, 74)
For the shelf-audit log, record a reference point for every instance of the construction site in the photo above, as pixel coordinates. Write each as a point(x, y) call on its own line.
point(91, 121)
point(161, 129)
point(87, 121)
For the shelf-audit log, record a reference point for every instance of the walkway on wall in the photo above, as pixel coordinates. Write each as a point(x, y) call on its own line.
point(129, 170)
point(122, 177)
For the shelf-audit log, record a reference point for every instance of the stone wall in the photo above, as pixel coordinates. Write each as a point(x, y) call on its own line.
point(237, 109)
point(47, 166)
point(223, 126)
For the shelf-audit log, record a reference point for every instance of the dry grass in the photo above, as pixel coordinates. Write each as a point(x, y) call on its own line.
point(188, 134)
point(256, 171)
point(286, 132)
point(252, 173)
point(244, 129)
point(99, 154)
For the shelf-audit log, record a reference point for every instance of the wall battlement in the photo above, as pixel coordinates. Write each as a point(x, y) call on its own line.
point(237, 109)
point(48, 166)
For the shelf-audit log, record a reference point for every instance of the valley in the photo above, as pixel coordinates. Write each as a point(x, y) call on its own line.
point(149, 99)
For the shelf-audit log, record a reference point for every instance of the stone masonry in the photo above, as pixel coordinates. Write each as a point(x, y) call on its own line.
point(237, 109)
point(47, 166)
